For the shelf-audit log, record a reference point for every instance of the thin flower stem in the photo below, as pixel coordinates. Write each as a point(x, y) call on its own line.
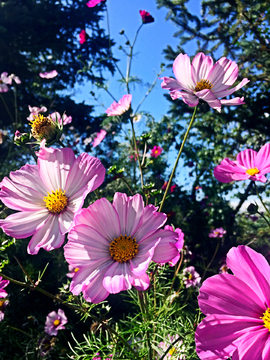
point(208, 266)
point(175, 274)
point(61, 143)
point(177, 159)
point(127, 184)
point(25, 273)
point(268, 223)
point(5, 104)
point(144, 153)
point(108, 92)
point(261, 200)
point(63, 302)
point(130, 58)
point(143, 311)
point(137, 151)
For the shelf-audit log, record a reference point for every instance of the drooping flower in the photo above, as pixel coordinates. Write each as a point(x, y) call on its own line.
point(15, 78)
point(218, 232)
point(93, 3)
point(3, 284)
point(4, 80)
point(203, 80)
point(119, 108)
point(156, 151)
point(176, 350)
point(237, 309)
point(48, 75)
point(146, 17)
point(55, 321)
point(191, 277)
point(83, 37)
point(99, 137)
point(113, 244)
point(248, 165)
point(34, 111)
point(179, 245)
point(48, 195)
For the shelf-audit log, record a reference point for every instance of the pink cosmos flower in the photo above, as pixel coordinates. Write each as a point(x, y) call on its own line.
point(3, 284)
point(61, 119)
point(34, 111)
point(100, 136)
point(120, 107)
point(237, 309)
point(179, 245)
point(48, 75)
point(83, 37)
point(175, 351)
point(48, 195)
point(248, 165)
point(156, 151)
point(191, 277)
point(55, 321)
point(113, 244)
point(15, 78)
point(4, 80)
point(93, 3)
point(218, 232)
point(146, 17)
point(203, 80)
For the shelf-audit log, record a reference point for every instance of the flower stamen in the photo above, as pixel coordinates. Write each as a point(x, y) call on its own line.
point(203, 84)
point(266, 318)
point(252, 171)
point(56, 322)
point(42, 127)
point(123, 248)
point(56, 201)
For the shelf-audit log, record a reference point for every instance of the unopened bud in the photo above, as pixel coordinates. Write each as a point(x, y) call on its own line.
point(252, 208)
point(122, 32)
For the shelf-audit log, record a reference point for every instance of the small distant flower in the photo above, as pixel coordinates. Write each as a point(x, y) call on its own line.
point(248, 165)
point(3, 304)
point(55, 321)
point(223, 269)
point(83, 36)
point(3, 284)
point(45, 344)
point(93, 3)
point(203, 80)
point(179, 245)
point(108, 261)
point(164, 185)
point(97, 357)
point(48, 196)
point(4, 80)
point(197, 188)
point(63, 120)
point(48, 75)
point(218, 232)
point(34, 111)
point(119, 108)
point(237, 309)
point(73, 270)
point(99, 137)
point(175, 351)
point(173, 187)
point(146, 17)
point(156, 151)
point(191, 277)
point(133, 157)
point(15, 78)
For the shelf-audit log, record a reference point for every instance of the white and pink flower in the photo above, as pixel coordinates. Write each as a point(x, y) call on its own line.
point(55, 321)
point(48, 75)
point(99, 137)
point(121, 107)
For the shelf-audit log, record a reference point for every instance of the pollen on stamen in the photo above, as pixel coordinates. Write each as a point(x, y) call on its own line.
point(266, 318)
point(123, 248)
point(203, 84)
point(56, 201)
point(42, 126)
point(56, 322)
point(252, 171)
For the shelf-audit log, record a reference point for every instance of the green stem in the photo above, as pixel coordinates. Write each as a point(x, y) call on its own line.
point(178, 157)
point(143, 311)
point(130, 57)
point(5, 104)
point(137, 151)
point(268, 223)
point(261, 200)
point(208, 266)
point(63, 302)
point(61, 144)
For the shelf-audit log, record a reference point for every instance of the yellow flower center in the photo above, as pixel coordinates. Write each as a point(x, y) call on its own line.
point(56, 322)
point(266, 318)
point(172, 351)
point(76, 269)
point(56, 201)
point(203, 84)
point(123, 248)
point(2, 303)
point(156, 151)
point(42, 127)
point(190, 276)
point(252, 171)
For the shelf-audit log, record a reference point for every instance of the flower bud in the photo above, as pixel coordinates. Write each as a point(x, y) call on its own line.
point(252, 208)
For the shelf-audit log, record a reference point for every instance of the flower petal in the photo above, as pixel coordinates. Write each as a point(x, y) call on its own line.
point(229, 171)
point(253, 343)
point(117, 278)
point(188, 98)
point(200, 67)
point(139, 264)
point(170, 84)
point(262, 161)
point(228, 92)
point(182, 72)
point(210, 98)
point(247, 158)
point(233, 102)
point(223, 75)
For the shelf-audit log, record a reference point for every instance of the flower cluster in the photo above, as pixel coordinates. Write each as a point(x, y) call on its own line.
point(6, 80)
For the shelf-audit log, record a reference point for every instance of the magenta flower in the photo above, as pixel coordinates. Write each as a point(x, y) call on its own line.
point(146, 17)
point(35, 111)
point(4, 80)
point(48, 195)
point(248, 165)
point(237, 309)
point(48, 75)
point(179, 245)
point(93, 3)
point(218, 232)
point(100, 136)
point(113, 244)
point(3, 284)
point(83, 37)
point(156, 151)
point(119, 108)
point(191, 277)
point(55, 321)
point(203, 80)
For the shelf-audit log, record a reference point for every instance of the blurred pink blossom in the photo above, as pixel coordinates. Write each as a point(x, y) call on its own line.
point(120, 107)
point(218, 232)
point(15, 78)
point(48, 75)
point(35, 111)
point(93, 3)
point(55, 116)
point(83, 36)
point(156, 151)
point(4, 80)
point(191, 277)
point(55, 321)
point(146, 17)
point(100, 136)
